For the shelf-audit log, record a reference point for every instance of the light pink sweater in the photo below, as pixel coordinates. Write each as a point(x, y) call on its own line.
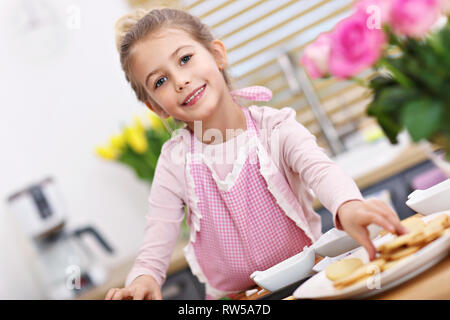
point(292, 148)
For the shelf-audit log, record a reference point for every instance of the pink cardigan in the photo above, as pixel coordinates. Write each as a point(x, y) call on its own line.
point(295, 152)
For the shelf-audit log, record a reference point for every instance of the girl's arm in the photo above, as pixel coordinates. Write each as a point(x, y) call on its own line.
point(164, 217)
point(158, 243)
point(330, 183)
point(334, 188)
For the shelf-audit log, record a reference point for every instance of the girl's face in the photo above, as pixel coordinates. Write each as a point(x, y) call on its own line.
point(173, 67)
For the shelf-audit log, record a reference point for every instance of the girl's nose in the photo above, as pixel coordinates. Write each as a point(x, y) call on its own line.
point(181, 85)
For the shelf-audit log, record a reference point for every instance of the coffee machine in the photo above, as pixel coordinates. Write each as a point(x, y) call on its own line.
point(66, 264)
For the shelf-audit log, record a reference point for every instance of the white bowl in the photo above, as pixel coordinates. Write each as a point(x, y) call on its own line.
point(287, 272)
point(336, 242)
point(431, 200)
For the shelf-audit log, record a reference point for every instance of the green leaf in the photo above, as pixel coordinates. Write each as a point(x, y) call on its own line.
point(380, 82)
point(389, 123)
point(387, 106)
point(391, 127)
point(392, 99)
point(440, 43)
point(422, 118)
point(426, 76)
point(395, 68)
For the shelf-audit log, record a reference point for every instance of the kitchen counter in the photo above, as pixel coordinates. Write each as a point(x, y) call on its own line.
point(409, 157)
point(430, 285)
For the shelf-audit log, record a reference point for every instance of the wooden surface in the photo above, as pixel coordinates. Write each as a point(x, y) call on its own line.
point(411, 156)
point(432, 284)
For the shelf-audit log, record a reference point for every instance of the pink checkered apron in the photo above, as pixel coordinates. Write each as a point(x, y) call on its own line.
point(237, 227)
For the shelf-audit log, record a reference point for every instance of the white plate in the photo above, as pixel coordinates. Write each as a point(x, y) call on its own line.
point(320, 287)
point(286, 272)
point(431, 200)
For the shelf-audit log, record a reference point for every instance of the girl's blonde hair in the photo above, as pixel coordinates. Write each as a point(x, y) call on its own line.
point(138, 25)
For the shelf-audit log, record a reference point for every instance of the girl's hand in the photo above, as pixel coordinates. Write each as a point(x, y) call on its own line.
point(143, 287)
point(356, 215)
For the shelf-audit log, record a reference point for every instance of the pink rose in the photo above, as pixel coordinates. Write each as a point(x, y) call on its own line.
point(414, 18)
point(354, 46)
point(316, 55)
point(378, 11)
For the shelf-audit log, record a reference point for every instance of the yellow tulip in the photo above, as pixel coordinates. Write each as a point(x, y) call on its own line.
point(117, 141)
point(136, 139)
point(155, 121)
point(106, 152)
point(138, 124)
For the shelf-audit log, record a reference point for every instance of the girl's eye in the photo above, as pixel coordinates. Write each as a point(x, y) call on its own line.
point(185, 59)
point(160, 82)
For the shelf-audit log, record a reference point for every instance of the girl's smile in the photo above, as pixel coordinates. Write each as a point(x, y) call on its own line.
point(194, 96)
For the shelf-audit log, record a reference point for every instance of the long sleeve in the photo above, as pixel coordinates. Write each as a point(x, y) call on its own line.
point(163, 219)
point(329, 182)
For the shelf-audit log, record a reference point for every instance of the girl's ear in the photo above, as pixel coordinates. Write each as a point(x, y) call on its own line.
point(147, 103)
point(156, 109)
point(220, 53)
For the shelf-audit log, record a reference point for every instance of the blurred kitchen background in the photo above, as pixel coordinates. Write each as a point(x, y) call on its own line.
point(63, 92)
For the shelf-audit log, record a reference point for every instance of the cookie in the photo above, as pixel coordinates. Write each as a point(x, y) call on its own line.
point(340, 269)
point(398, 242)
point(441, 221)
point(401, 253)
point(361, 273)
point(412, 224)
point(433, 230)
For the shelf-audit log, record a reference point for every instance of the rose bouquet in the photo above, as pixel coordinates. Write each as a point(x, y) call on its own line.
point(407, 42)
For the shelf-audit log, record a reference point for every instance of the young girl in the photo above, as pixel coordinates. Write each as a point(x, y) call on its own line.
point(252, 210)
